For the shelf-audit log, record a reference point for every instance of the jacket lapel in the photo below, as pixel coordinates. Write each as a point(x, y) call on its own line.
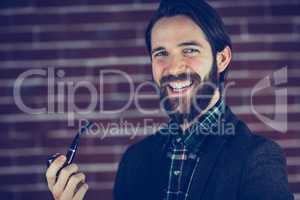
point(213, 146)
point(208, 155)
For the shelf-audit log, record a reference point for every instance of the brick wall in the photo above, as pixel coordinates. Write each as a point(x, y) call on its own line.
point(77, 40)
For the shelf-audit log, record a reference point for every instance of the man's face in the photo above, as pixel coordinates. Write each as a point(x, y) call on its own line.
point(183, 66)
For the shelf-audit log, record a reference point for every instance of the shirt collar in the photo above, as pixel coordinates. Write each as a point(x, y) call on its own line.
point(195, 134)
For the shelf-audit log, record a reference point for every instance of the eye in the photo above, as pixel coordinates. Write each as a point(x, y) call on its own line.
point(191, 51)
point(160, 54)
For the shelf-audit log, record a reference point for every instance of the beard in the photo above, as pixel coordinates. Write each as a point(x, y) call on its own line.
point(187, 107)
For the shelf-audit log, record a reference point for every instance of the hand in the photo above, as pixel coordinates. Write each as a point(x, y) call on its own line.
point(69, 185)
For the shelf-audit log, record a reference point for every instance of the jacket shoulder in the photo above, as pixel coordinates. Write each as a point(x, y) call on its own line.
point(254, 143)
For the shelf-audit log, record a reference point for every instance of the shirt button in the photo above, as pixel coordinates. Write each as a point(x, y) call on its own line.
point(176, 173)
point(178, 140)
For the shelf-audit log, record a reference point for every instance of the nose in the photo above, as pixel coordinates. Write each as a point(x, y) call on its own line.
point(177, 65)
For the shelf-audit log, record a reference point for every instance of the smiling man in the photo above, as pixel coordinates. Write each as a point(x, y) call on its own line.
point(192, 158)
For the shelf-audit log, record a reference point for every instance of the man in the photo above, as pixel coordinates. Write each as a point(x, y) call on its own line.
point(205, 152)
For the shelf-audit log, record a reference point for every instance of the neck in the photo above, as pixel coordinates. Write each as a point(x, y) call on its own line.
point(212, 102)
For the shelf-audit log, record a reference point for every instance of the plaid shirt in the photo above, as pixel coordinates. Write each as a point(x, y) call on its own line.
point(183, 151)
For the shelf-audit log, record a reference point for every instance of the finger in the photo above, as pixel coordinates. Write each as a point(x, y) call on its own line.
point(81, 192)
point(72, 184)
point(63, 177)
point(52, 170)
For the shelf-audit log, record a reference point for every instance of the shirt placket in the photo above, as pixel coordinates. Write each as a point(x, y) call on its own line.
point(178, 157)
point(179, 180)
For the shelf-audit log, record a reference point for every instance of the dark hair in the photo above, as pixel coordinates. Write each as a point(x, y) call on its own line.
point(202, 14)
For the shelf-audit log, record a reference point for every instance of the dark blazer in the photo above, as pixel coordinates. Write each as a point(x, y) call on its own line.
point(243, 166)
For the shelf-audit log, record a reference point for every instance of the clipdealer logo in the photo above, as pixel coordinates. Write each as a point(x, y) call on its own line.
point(61, 99)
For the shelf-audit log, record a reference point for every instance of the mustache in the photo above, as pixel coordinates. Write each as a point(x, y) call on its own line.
point(180, 77)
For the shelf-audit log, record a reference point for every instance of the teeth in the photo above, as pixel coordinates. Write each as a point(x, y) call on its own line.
point(180, 85)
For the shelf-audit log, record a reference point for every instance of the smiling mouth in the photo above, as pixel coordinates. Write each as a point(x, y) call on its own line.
point(179, 87)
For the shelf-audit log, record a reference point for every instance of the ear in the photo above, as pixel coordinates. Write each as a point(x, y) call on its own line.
point(223, 59)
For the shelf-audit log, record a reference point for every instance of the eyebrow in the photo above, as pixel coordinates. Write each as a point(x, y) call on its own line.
point(188, 43)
